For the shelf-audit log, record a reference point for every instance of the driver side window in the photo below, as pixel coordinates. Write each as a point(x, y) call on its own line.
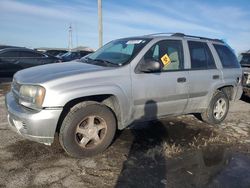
point(169, 53)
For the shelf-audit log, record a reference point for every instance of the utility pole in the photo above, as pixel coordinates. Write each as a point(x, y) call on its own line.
point(70, 38)
point(100, 22)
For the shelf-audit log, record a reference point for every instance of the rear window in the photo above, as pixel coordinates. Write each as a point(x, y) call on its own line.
point(227, 57)
point(245, 59)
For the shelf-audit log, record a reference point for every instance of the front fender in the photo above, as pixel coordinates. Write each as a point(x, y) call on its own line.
point(54, 99)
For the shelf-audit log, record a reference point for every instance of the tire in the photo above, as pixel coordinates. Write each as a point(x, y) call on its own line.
point(213, 114)
point(80, 129)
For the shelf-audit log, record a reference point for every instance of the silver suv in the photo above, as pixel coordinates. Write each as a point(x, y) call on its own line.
point(127, 80)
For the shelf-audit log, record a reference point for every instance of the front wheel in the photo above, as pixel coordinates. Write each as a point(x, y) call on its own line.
point(217, 109)
point(88, 129)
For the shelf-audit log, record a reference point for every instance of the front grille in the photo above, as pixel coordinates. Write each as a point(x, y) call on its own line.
point(24, 125)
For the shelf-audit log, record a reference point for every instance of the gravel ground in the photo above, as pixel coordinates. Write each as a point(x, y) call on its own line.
point(174, 152)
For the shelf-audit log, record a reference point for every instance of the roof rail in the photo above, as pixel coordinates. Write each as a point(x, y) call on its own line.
point(157, 34)
point(196, 37)
point(183, 35)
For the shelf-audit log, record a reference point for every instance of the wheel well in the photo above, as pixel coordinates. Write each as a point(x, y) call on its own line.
point(109, 100)
point(228, 90)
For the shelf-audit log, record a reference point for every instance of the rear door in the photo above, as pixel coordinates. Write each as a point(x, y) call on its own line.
point(232, 73)
point(164, 93)
point(203, 75)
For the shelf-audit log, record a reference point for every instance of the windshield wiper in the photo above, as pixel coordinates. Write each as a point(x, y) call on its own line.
point(100, 62)
point(108, 63)
point(87, 60)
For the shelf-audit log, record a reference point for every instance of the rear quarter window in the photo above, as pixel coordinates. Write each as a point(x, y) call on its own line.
point(227, 57)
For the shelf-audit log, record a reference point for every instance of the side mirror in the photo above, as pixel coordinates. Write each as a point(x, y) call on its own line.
point(150, 66)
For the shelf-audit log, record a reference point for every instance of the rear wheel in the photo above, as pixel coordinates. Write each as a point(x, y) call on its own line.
point(217, 109)
point(88, 129)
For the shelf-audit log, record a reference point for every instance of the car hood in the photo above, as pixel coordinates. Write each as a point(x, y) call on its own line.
point(44, 73)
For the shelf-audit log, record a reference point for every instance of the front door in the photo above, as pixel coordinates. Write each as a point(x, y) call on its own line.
point(164, 93)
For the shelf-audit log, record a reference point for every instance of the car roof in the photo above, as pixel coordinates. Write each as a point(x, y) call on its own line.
point(17, 49)
point(6, 46)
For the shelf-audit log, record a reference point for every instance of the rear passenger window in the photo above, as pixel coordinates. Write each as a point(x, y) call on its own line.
point(201, 57)
point(227, 57)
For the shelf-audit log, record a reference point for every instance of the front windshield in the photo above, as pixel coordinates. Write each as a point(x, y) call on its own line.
point(245, 59)
point(118, 52)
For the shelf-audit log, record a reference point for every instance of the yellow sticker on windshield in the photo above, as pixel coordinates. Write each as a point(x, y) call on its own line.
point(165, 60)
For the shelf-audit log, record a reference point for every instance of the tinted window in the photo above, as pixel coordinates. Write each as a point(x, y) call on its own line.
point(10, 54)
point(227, 57)
point(30, 54)
point(201, 57)
point(168, 52)
point(245, 59)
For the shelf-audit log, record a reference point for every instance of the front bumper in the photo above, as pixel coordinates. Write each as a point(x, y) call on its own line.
point(37, 126)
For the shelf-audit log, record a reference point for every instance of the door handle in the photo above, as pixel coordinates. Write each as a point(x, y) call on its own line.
point(216, 77)
point(181, 80)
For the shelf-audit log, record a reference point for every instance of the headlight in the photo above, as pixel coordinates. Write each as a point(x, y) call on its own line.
point(31, 96)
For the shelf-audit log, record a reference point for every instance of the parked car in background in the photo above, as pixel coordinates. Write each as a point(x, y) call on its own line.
point(56, 53)
point(245, 64)
point(52, 51)
point(15, 59)
point(126, 81)
point(73, 55)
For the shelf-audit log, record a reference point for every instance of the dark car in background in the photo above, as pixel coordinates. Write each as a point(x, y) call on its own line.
point(15, 59)
point(7, 46)
point(73, 55)
point(244, 59)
